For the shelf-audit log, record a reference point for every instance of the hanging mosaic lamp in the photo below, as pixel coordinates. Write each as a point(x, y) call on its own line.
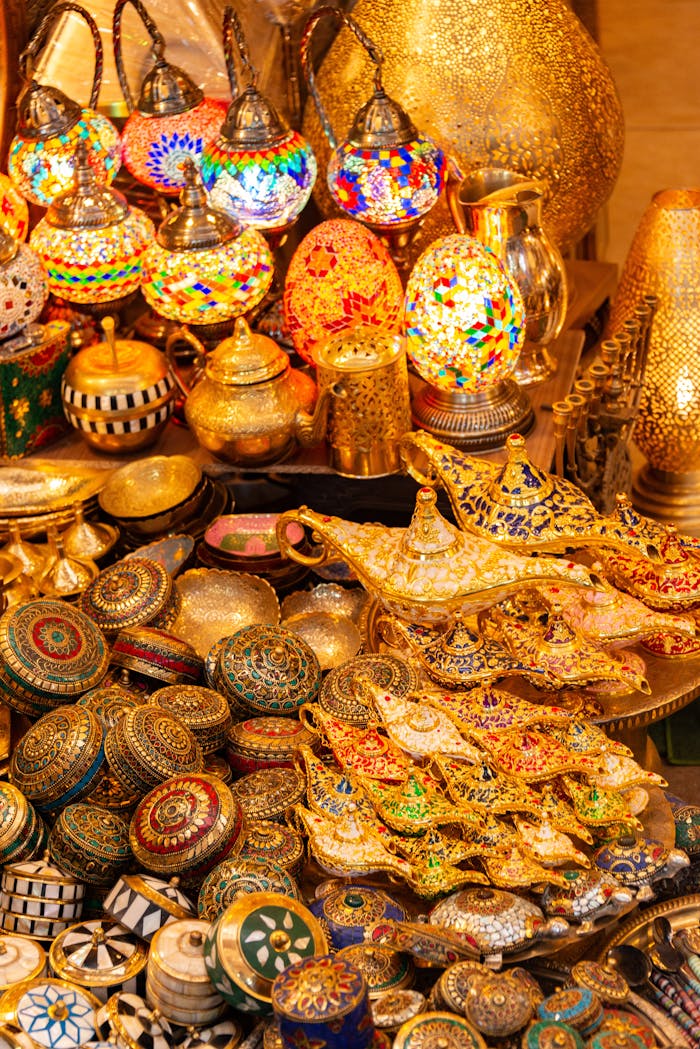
point(258, 170)
point(49, 126)
point(23, 285)
point(172, 120)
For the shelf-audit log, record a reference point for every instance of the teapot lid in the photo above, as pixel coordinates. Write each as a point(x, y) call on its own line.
point(246, 358)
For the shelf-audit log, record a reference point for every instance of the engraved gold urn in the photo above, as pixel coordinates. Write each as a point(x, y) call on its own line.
point(515, 84)
point(664, 261)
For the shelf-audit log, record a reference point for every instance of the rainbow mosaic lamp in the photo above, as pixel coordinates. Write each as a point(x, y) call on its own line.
point(172, 120)
point(465, 322)
point(258, 170)
point(41, 162)
point(92, 243)
point(203, 270)
point(385, 173)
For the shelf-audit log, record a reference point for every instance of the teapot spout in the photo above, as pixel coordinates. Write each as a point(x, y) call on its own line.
point(311, 429)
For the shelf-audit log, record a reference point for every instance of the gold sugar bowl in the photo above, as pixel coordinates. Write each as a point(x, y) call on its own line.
point(118, 394)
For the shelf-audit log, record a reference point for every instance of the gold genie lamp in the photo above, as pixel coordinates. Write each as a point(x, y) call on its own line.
point(247, 404)
point(430, 570)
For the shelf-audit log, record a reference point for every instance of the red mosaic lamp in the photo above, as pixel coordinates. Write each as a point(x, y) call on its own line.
point(50, 125)
point(92, 243)
point(385, 173)
point(172, 120)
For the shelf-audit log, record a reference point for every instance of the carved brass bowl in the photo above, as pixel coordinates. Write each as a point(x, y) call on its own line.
point(148, 488)
point(217, 603)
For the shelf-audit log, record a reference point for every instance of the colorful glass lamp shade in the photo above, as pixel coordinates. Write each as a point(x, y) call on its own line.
point(258, 170)
point(23, 285)
point(202, 269)
point(172, 120)
point(14, 214)
point(50, 125)
point(465, 323)
point(385, 173)
point(92, 243)
point(341, 276)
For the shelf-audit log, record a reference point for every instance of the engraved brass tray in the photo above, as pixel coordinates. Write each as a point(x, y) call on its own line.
point(43, 487)
point(682, 912)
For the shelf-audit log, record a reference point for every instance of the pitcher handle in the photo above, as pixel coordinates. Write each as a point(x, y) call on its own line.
point(184, 335)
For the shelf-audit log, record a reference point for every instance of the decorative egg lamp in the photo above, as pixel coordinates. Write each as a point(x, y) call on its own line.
point(92, 243)
point(258, 170)
point(23, 285)
point(340, 276)
point(385, 173)
point(50, 125)
point(14, 214)
point(172, 120)
point(202, 269)
point(465, 323)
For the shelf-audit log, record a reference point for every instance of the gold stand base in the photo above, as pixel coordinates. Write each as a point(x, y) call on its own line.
point(672, 498)
point(474, 421)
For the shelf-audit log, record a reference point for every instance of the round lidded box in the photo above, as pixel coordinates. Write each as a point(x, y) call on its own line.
point(147, 746)
point(156, 654)
point(233, 877)
point(60, 758)
point(100, 956)
point(268, 793)
point(445, 1030)
point(186, 826)
point(130, 593)
point(337, 695)
point(19, 825)
point(21, 958)
point(266, 742)
point(53, 649)
point(109, 703)
point(324, 998)
point(349, 909)
point(275, 842)
point(132, 1023)
point(91, 844)
point(269, 670)
point(54, 1013)
point(144, 904)
point(178, 982)
point(257, 937)
point(205, 712)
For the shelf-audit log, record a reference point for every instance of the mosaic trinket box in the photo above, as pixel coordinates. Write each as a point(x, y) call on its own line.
point(586, 897)
point(546, 1034)
point(276, 843)
point(54, 1013)
point(205, 712)
point(451, 990)
point(255, 939)
point(339, 698)
point(269, 670)
point(323, 998)
point(348, 911)
point(234, 877)
point(638, 862)
point(90, 844)
point(20, 959)
point(268, 793)
point(498, 1005)
point(23, 834)
point(60, 758)
point(178, 983)
point(266, 742)
point(100, 956)
point(438, 1029)
point(133, 1024)
point(144, 904)
point(576, 1006)
point(157, 654)
point(130, 593)
point(149, 745)
point(384, 969)
point(109, 703)
point(495, 922)
point(185, 826)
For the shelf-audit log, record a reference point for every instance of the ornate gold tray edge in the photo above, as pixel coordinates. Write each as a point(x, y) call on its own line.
point(683, 913)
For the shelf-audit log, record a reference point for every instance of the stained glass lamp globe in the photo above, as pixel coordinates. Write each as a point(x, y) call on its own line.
point(341, 276)
point(172, 119)
point(203, 269)
point(465, 326)
point(385, 173)
point(14, 214)
point(23, 285)
point(92, 243)
point(50, 125)
point(258, 170)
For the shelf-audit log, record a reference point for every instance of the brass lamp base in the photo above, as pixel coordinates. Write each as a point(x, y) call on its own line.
point(474, 421)
point(534, 365)
point(671, 498)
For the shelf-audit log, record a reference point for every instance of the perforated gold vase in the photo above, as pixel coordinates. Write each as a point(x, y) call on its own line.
point(664, 260)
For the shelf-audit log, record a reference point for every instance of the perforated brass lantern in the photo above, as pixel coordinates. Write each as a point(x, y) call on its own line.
point(50, 125)
point(510, 83)
point(664, 261)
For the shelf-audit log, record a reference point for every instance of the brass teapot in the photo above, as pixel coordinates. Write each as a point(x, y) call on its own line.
point(247, 405)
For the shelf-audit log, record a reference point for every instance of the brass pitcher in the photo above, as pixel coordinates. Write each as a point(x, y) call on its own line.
point(503, 210)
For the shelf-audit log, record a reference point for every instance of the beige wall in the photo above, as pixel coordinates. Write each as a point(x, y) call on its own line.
point(651, 47)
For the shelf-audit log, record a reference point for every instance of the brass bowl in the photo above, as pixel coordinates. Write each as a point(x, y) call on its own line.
point(149, 487)
point(333, 638)
point(326, 597)
point(217, 603)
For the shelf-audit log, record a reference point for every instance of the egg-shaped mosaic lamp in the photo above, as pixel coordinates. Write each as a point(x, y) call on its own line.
point(465, 322)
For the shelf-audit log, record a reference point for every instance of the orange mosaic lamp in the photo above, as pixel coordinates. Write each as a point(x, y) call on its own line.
point(92, 242)
point(50, 125)
point(171, 122)
point(202, 268)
